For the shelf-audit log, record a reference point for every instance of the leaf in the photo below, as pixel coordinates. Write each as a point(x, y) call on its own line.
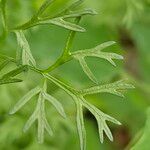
point(62, 23)
point(48, 128)
point(42, 122)
point(70, 8)
point(44, 6)
point(26, 52)
point(55, 103)
point(3, 64)
point(30, 121)
point(113, 88)
point(4, 57)
point(80, 13)
point(101, 120)
point(95, 52)
point(143, 142)
point(15, 72)
point(75, 5)
point(80, 126)
point(87, 70)
point(41, 117)
point(9, 80)
point(25, 99)
point(104, 45)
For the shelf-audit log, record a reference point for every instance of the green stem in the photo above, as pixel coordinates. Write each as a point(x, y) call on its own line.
point(35, 17)
point(66, 55)
point(63, 59)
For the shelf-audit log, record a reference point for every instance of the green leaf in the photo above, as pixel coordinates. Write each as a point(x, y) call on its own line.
point(74, 5)
point(30, 121)
point(39, 115)
point(101, 120)
point(15, 72)
point(143, 142)
point(113, 88)
point(55, 103)
point(87, 70)
point(71, 7)
point(104, 45)
point(27, 57)
point(25, 99)
point(62, 23)
point(9, 80)
point(44, 6)
point(80, 13)
point(3, 64)
point(48, 128)
point(95, 52)
point(80, 126)
point(42, 122)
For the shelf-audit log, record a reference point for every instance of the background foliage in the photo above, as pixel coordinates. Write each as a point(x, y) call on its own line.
point(126, 22)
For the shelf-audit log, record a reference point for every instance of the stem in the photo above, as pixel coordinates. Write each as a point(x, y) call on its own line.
point(35, 17)
point(66, 55)
point(62, 85)
point(70, 38)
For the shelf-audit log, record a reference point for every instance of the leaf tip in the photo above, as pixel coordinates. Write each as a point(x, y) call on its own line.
point(93, 12)
point(64, 115)
point(11, 112)
point(82, 30)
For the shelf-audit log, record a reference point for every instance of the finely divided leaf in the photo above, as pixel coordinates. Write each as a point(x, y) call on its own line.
point(30, 121)
point(80, 126)
point(70, 8)
point(101, 120)
point(95, 52)
point(48, 128)
point(75, 4)
point(55, 103)
point(15, 72)
point(27, 57)
point(44, 6)
point(80, 13)
point(25, 99)
point(104, 45)
point(113, 88)
point(87, 70)
point(41, 117)
point(3, 64)
point(62, 23)
point(9, 80)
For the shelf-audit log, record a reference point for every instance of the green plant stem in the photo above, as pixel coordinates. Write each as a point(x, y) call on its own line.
point(66, 55)
point(62, 85)
point(35, 17)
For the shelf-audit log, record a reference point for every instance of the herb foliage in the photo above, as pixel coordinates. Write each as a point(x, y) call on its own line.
point(25, 61)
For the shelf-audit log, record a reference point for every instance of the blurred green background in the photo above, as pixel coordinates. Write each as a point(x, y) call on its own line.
point(125, 21)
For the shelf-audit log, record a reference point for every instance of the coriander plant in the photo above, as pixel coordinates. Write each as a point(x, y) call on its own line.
point(25, 61)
